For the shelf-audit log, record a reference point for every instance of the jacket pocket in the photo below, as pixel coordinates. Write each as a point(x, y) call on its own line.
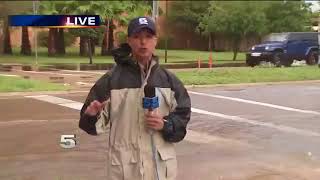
point(115, 170)
point(124, 165)
point(168, 165)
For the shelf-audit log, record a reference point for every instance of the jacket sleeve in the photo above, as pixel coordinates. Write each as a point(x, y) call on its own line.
point(174, 129)
point(100, 92)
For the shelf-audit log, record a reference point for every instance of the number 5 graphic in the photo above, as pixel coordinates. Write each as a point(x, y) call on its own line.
point(68, 141)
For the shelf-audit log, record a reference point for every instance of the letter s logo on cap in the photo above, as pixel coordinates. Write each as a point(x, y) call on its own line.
point(143, 21)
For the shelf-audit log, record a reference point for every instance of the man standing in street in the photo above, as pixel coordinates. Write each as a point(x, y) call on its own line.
point(140, 142)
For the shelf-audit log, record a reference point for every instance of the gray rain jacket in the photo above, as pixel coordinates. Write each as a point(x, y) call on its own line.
point(130, 154)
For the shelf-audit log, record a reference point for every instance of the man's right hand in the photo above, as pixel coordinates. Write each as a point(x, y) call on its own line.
point(95, 107)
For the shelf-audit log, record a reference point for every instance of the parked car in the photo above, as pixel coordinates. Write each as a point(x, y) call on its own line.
point(284, 48)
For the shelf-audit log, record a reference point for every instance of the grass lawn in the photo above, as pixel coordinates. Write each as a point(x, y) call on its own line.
point(248, 75)
point(174, 56)
point(14, 84)
point(191, 55)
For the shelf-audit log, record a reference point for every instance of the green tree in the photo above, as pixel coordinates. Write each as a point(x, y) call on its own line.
point(111, 11)
point(7, 49)
point(5, 41)
point(60, 38)
point(288, 16)
point(87, 36)
point(25, 41)
point(187, 15)
point(8, 8)
point(49, 8)
point(236, 19)
point(56, 40)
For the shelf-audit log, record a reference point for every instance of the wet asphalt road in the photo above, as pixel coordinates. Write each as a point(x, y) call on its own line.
point(236, 133)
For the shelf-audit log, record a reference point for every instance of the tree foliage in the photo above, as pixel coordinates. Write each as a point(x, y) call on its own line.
point(289, 16)
point(8, 8)
point(187, 14)
point(239, 19)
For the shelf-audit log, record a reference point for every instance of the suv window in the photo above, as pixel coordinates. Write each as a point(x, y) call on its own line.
point(303, 36)
point(276, 37)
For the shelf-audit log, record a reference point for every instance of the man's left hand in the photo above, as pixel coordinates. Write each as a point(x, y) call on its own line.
point(154, 121)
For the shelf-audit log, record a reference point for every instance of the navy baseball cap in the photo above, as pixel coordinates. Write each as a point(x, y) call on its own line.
point(139, 23)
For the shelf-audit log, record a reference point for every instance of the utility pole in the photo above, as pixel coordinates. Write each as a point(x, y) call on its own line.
point(319, 40)
point(35, 34)
point(155, 11)
point(1, 35)
point(166, 41)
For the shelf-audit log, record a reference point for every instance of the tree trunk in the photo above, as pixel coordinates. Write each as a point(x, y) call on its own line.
point(235, 48)
point(235, 53)
point(61, 48)
point(209, 43)
point(90, 52)
point(51, 42)
point(110, 37)
point(93, 46)
point(7, 49)
point(25, 42)
point(83, 46)
point(56, 40)
point(1, 38)
point(213, 41)
point(104, 46)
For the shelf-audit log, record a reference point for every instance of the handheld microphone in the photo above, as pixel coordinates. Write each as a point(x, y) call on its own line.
point(150, 101)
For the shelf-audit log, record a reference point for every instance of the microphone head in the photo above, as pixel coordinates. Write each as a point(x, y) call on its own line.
point(149, 91)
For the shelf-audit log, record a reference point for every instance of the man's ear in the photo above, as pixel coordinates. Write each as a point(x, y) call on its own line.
point(129, 41)
point(156, 41)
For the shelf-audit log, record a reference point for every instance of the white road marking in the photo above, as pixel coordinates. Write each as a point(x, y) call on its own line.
point(9, 75)
point(256, 103)
point(77, 106)
point(25, 121)
point(21, 121)
point(270, 125)
point(84, 83)
point(59, 101)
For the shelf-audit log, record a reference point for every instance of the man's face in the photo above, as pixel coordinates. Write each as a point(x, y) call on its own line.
point(142, 43)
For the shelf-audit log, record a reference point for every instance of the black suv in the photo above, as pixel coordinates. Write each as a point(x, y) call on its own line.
point(283, 48)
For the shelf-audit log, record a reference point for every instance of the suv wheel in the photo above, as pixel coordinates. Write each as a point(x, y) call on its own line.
point(252, 62)
point(312, 58)
point(277, 58)
point(287, 62)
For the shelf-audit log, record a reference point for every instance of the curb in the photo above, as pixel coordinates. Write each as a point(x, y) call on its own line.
point(2, 94)
point(251, 84)
point(108, 66)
